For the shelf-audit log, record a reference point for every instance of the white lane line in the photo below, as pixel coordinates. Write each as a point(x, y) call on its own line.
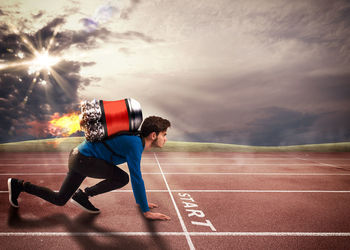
point(215, 173)
point(228, 191)
point(246, 158)
point(189, 164)
point(247, 164)
point(196, 158)
point(201, 173)
point(282, 234)
point(294, 174)
point(188, 238)
point(323, 164)
point(232, 234)
point(243, 164)
point(265, 191)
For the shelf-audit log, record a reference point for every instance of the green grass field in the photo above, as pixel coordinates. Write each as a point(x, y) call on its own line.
point(66, 144)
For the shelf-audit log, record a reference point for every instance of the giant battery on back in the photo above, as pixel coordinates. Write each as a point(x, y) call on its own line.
point(100, 119)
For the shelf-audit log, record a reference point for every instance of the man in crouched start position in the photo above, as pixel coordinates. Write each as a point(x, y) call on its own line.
point(99, 160)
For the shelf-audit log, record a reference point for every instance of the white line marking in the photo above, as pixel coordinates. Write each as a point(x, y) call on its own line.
point(323, 164)
point(246, 164)
point(297, 174)
point(188, 238)
point(265, 191)
point(189, 164)
point(282, 234)
point(228, 191)
point(232, 234)
point(345, 158)
point(198, 158)
point(215, 173)
point(242, 164)
point(204, 173)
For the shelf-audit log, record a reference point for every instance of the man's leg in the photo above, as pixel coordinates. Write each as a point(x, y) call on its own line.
point(100, 169)
point(71, 183)
point(68, 187)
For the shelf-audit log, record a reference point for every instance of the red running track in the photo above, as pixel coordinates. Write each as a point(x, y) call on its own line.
point(215, 200)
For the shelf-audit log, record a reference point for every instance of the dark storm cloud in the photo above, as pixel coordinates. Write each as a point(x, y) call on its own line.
point(88, 39)
point(82, 39)
point(258, 108)
point(344, 16)
point(321, 23)
point(289, 127)
point(281, 127)
point(334, 88)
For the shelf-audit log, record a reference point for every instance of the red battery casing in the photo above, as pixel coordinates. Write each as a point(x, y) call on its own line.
point(115, 116)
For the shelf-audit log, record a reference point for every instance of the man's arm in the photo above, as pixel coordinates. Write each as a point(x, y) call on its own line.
point(138, 187)
point(137, 183)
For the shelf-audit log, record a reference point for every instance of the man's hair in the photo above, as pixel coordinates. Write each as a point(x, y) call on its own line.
point(154, 124)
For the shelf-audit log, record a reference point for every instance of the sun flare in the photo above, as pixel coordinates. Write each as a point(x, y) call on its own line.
point(42, 61)
point(36, 60)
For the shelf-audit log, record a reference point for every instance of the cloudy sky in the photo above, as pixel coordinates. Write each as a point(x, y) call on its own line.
point(253, 72)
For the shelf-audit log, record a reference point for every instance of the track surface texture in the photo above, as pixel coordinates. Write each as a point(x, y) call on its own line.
point(215, 201)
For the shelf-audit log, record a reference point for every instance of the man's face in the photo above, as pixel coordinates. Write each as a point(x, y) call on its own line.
point(160, 140)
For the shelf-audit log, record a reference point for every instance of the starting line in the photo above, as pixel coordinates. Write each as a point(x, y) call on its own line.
point(231, 234)
point(184, 228)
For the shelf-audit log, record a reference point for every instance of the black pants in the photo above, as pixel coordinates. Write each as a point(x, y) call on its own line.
point(80, 167)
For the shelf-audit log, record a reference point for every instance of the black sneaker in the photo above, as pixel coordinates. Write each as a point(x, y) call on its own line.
point(15, 188)
point(82, 200)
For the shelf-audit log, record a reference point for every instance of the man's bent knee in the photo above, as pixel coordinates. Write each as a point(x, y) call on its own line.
point(125, 179)
point(121, 181)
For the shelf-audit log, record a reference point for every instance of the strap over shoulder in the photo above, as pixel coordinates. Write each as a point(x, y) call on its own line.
point(133, 133)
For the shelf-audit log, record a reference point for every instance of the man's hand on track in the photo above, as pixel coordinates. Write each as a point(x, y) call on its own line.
point(156, 216)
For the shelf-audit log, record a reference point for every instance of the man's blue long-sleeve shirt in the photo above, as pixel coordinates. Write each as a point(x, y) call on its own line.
point(129, 149)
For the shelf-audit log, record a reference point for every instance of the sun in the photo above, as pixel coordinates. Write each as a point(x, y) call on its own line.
point(42, 61)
